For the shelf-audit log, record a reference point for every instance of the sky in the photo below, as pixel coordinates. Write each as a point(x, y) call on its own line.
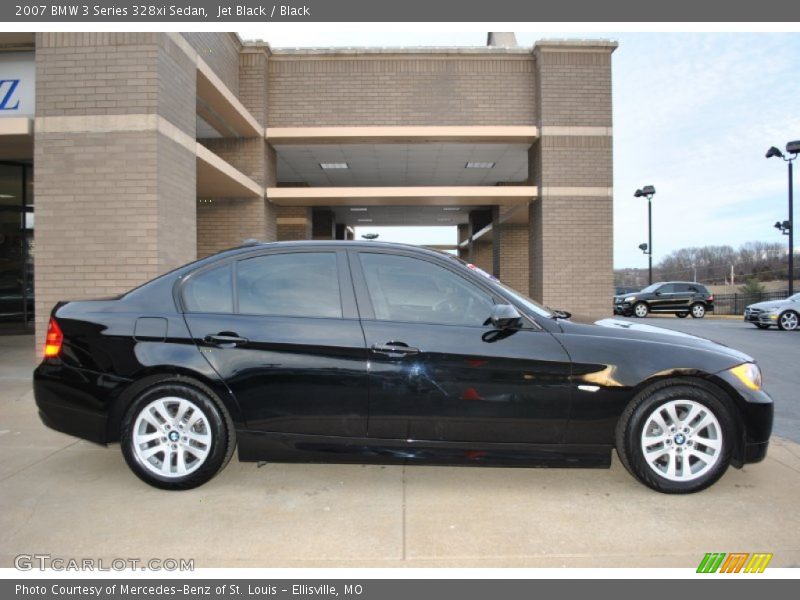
point(694, 114)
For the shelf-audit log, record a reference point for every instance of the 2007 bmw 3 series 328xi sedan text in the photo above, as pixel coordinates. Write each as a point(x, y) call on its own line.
point(372, 352)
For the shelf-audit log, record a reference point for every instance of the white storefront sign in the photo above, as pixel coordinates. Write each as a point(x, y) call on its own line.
point(17, 84)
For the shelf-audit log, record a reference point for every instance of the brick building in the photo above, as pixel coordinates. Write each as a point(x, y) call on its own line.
point(138, 152)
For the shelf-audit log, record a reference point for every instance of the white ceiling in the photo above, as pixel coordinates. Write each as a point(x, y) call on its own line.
point(401, 215)
point(429, 163)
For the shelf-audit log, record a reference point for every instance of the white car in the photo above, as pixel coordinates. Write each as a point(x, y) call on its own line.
point(784, 314)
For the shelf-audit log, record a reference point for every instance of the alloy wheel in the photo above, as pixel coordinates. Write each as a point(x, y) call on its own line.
point(789, 321)
point(171, 437)
point(698, 311)
point(640, 310)
point(681, 440)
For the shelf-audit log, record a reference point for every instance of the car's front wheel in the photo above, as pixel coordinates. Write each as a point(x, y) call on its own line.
point(175, 436)
point(788, 321)
point(676, 437)
point(640, 310)
point(698, 311)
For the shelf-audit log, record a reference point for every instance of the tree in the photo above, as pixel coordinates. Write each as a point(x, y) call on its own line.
point(753, 287)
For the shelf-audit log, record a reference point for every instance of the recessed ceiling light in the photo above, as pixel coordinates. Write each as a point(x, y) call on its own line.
point(358, 210)
point(334, 166)
point(452, 208)
point(365, 220)
point(480, 165)
point(7, 196)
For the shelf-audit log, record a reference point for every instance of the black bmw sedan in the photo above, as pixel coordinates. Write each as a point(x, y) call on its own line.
point(373, 352)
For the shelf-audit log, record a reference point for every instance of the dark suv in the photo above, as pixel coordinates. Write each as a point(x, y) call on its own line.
point(677, 297)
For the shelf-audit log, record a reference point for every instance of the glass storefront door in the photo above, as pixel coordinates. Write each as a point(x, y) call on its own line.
point(16, 247)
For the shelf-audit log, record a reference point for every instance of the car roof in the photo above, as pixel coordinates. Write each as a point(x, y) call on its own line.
point(359, 244)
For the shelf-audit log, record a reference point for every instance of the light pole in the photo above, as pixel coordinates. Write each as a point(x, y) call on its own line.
point(787, 227)
point(648, 192)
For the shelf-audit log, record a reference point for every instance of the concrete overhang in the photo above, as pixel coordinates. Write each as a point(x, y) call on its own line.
point(216, 178)
point(407, 196)
point(221, 108)
point(16, 138)
point(402, 134)
point(516, 215)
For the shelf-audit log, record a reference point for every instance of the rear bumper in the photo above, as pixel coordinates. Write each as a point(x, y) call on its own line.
point(69, 402)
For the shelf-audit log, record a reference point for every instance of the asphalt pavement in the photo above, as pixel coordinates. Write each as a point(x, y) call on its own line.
point(777, 353)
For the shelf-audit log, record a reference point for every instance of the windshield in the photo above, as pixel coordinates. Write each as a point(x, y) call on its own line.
point(529, 303)
point(795, 298)
point(651, 288)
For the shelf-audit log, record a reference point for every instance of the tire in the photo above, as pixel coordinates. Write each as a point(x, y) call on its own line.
point(177, 436)
point(666, 469)
point(682, 315)
point(640, 310)
point(698, 310)
point(788, 320)
point(761, 325)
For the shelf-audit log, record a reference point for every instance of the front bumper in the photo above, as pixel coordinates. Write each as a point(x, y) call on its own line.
point(756, 410)
point(623, 308)
point(761, 318)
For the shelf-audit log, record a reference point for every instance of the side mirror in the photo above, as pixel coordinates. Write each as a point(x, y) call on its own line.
point(504, 316)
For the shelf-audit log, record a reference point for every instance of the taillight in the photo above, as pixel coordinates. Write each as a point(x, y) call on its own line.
point(711, 298)
point(52, 343)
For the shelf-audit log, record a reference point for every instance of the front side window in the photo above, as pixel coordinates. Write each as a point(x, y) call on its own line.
point(667, 289)
point(413, 290)
point(297, 284)
point(210, 291)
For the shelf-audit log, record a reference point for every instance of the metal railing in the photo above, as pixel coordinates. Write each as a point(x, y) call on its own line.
point(734, 304)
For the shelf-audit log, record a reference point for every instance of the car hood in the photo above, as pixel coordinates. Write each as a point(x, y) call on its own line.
point(617, 328)
point(768, 304)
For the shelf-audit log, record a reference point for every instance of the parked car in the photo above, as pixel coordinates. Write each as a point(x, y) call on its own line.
point(373, 352)
point(680, 298)
point(784, 314)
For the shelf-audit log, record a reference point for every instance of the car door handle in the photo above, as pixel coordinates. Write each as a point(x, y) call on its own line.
point(394, 349)
point(225, 339)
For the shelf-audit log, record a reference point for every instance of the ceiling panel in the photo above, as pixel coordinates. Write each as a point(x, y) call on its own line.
point(402, 164)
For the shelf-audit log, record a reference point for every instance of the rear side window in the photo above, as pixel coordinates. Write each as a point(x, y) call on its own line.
point(210, 291)
point(299, 284)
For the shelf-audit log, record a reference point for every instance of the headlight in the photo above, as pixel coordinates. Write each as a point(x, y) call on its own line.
point(749, 374)
point(630, 299)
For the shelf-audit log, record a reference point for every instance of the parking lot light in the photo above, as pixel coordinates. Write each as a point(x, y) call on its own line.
point(648, 192)
point(785, 227)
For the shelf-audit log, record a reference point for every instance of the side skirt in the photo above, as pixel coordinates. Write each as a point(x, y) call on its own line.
point(284, 447)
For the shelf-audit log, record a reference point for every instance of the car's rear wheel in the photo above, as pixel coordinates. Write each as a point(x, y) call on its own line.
point(788, 320)
point(682, 315)
point(676, 437)
point(640, 310)
point(175, 436)
point(698, 311)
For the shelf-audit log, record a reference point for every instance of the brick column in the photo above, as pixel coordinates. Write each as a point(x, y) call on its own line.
point(570, 225)
point(294, 223)
point(115, 163)
point(225, 222)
